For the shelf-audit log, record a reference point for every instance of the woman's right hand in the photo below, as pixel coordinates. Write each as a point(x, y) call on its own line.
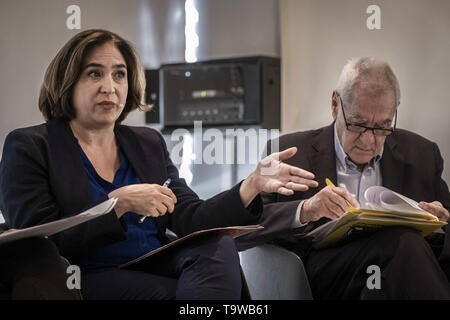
point(144, 199)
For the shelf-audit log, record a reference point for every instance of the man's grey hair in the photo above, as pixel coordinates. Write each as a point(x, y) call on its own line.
point(368, 73)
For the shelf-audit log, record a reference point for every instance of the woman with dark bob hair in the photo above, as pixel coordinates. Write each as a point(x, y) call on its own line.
point(82, 155)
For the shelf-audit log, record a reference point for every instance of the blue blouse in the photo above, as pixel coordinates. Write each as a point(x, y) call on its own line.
point(141, 237)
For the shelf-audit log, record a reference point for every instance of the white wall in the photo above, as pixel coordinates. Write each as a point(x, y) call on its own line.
point(319, 36)
point(232, 28)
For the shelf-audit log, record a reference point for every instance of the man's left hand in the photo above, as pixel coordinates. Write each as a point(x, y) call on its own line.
point(436, 208)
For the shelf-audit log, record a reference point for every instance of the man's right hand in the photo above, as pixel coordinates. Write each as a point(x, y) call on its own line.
point(330, 202)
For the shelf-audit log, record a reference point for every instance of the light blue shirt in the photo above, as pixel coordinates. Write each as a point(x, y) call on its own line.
point(350, 177)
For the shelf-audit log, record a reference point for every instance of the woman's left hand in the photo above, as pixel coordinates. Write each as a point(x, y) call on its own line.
point(272, 175)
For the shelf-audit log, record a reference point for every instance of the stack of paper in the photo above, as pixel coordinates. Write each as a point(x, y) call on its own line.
point(53, 227)
point(383, 208)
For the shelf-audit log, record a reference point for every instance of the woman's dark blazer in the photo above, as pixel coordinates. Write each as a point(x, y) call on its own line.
point(42, 179)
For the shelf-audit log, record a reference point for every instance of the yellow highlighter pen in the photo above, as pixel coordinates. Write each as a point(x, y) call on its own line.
point(329, 183)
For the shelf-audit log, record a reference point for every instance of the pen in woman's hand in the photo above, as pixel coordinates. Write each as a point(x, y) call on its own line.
point(166, 184)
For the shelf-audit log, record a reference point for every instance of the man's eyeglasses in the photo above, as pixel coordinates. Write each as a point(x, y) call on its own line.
point(361, 129)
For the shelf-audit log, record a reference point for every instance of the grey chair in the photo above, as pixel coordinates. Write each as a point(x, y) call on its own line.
point(274, 273)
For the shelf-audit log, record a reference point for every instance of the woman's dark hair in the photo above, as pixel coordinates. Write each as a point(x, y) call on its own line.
point(65, 68)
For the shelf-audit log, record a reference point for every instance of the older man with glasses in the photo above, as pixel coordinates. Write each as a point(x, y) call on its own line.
point(360, 149)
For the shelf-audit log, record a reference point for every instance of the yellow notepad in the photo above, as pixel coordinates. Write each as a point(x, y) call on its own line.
point(383, 208)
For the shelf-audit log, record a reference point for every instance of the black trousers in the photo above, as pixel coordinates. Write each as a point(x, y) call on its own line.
point(207, 269)
point(32, 269)
point(408, 266)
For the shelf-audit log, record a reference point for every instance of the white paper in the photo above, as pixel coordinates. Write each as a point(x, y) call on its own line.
point(389, 200)
point(50, 228)
point(381, 199)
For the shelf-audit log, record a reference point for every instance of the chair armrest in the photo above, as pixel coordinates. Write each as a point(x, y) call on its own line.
point(274, 273)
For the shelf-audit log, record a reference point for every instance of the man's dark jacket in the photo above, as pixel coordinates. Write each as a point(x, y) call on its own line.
point(410, 165)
